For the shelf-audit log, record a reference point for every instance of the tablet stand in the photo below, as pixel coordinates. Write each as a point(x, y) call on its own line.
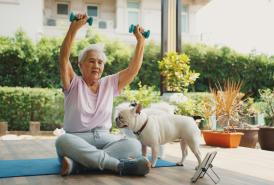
point(203, 169)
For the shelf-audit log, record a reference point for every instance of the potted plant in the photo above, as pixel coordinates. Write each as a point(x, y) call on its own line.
point(246, 124)
point(176, 74)
point(208, 120)
point(266, 133)
point(227, 105)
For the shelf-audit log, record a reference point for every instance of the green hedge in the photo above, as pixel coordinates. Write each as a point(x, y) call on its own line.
point(194, 105)
point(36, 65)
point(218, 64)
point(19, 105)
point(23, 63)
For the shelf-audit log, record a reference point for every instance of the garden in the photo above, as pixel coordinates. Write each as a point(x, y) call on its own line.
point(228, 91)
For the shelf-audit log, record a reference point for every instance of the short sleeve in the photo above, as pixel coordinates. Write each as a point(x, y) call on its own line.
point(115, 82)
point(72, 84)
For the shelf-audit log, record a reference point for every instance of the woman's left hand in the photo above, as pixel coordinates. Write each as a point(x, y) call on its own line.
point(138, 34)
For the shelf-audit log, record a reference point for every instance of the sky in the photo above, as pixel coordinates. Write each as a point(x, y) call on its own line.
point(245, 25)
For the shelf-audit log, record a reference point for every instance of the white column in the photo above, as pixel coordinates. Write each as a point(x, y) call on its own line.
point(121, 8)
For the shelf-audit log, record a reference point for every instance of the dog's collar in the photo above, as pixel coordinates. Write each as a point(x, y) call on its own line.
point(142, 128)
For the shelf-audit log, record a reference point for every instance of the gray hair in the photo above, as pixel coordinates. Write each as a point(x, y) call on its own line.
point(98, 48)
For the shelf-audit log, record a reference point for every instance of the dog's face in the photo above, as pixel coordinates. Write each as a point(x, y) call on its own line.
point(128, 117)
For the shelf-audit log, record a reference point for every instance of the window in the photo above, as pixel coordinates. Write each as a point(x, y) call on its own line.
point(185, 19)
point(62, 8)
point(133, 12)
point(102, 25)
point(51, 22)
point(92, 10)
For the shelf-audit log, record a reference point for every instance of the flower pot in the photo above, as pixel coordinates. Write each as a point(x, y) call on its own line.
point(3, 127)
point(34, 127)
point(266, 138)
point(250, 137)
point(222, 139)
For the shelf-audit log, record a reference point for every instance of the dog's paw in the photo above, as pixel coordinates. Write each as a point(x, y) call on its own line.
point(179, 164)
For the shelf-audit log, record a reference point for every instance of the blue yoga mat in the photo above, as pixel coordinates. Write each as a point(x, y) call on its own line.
point(49, 166)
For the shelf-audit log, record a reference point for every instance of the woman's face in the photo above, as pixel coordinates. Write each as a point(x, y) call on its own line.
point(91, 67)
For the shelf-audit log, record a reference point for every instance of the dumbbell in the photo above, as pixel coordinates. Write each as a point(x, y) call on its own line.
point(132, 29)
point(72, 17)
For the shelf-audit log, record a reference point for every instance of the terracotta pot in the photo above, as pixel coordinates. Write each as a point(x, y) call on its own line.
point(3, 127)
point(250, 137)
point(266, 138)
point(222, 139)
point(34, 127)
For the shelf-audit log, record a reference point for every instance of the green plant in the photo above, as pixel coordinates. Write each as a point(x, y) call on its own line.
point(145, 95)
point(193, 106)
point(217, 63)
point(176, 71)
point(267, 99)
point(20, 105)
point(186, 108)
point(228, 103)
point(149, 73)
point(248, 113)
point(24, 63)
point(118, 56)
point(16, 55)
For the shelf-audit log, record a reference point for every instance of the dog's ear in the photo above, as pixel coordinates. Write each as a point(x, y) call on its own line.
point(138, 108)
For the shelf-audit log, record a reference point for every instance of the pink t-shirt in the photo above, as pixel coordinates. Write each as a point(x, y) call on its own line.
point(85, 110)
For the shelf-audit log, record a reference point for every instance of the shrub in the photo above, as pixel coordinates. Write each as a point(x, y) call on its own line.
point(267, 99)
point(118, 57)
point(145, 95)
point(16, 55)
point(194, 105)
point(36, 65)
point(215, 64)
point(20, 105)
point(176, 72)
point(45, 70)
point(149, 73)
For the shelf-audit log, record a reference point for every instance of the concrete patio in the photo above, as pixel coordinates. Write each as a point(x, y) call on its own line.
point(234, 166)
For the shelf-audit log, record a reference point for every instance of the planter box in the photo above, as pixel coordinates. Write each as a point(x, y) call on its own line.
point(266, 138)
point(34, 127)
point(222, 139)
point(3, 127)
point(250, 137)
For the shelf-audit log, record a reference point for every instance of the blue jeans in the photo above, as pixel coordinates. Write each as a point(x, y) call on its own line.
point(96, 149)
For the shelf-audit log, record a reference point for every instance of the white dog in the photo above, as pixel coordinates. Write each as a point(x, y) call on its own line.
point(157, 130)
point(159, 108)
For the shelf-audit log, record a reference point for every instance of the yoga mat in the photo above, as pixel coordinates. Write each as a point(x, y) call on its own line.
point(48, 166)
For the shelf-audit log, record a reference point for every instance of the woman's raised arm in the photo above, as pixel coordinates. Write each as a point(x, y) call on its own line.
point(66, 70)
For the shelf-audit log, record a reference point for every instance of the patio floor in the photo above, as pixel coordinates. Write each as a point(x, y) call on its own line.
point(234, 166)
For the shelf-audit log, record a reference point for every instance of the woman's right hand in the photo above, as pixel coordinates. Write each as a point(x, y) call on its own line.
point(81, 21)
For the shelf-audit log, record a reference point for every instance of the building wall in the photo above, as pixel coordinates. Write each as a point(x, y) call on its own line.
point(151, 18)
point(25, 14)
point(106, 10)
point(150, 12)
point(33, 17)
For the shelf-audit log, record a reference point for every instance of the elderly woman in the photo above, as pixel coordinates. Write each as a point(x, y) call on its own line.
point(88, 144)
